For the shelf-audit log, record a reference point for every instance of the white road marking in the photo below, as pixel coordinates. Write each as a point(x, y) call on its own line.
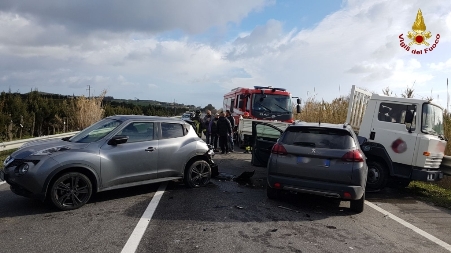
point(408, 225)
point(140, 229)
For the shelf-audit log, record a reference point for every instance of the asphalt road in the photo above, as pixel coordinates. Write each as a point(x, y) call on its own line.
point(225, 216)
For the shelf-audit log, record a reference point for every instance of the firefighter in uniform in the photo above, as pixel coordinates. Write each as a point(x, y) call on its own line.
point(198, 123)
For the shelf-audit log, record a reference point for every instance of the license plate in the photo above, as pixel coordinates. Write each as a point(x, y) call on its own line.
point(301, 159)
point(2, 175)
point(327, 163)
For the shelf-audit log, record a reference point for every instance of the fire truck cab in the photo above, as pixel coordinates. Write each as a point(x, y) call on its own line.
point(265, 103)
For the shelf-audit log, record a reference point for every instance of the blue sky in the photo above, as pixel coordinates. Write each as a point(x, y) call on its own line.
point(196, 51)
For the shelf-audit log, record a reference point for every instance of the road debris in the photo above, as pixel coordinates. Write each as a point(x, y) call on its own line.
point(239, 207)
point(289, 209)
point(245, 176)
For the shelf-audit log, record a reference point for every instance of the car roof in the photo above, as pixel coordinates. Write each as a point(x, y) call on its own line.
point(143, 117)
point(322, 125)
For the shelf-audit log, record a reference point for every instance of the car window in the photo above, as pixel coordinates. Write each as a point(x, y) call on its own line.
point(265, 131)
point(171, 130)
point(96, 131)
point(138, 131)
point(396, 113)
point(319, 138)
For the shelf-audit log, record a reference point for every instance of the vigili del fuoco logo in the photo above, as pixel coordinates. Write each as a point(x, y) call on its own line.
point(419, 36)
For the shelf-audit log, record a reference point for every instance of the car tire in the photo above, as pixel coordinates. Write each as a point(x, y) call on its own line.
point(70, 191)
point(358, 205)
point(197, 174)
point(377, 176)
point(272, 193)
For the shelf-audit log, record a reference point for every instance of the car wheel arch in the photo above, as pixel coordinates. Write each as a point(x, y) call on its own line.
point(192, 160)
point(73, 168)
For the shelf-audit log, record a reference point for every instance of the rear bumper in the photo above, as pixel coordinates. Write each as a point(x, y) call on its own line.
point(325, 189)
point(426, 175)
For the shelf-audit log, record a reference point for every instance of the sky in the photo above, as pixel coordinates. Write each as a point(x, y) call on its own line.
point(193, 52)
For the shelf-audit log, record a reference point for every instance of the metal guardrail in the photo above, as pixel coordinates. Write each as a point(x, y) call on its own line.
point(18, 143)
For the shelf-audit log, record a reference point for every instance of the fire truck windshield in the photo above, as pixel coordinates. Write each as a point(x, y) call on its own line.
point(271, 103)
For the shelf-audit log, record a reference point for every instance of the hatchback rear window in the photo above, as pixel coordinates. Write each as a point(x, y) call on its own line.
point(318, 138)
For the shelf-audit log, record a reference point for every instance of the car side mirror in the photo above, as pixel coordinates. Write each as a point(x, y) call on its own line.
point(361, 139)
point(118, 139)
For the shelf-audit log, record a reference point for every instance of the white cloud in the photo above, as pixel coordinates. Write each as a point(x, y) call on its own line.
point(441, 65)
point(358, 45)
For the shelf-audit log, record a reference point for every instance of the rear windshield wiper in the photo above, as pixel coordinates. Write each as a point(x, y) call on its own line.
point(304, 144)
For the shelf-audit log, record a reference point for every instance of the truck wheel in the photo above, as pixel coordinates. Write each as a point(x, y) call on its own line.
point(377, 176)
point(358, 205)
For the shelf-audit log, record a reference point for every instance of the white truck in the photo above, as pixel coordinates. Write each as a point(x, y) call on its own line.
point(402, 138)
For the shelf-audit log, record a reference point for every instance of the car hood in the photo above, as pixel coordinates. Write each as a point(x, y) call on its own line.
point(33, 146)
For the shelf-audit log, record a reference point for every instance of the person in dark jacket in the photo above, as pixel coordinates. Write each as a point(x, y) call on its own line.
point(198, 123)
point(213, 128)
point(206, 127)
point(232, 124)
point(224, 130)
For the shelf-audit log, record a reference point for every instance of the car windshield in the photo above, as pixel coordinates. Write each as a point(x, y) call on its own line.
point(272, 103)
point(96, 131)
point(432, 120)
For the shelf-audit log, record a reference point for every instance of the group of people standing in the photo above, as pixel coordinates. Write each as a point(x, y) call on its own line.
point(218, 129)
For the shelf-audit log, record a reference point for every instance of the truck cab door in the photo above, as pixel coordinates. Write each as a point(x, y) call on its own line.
point(390, 130)
point(264, 136)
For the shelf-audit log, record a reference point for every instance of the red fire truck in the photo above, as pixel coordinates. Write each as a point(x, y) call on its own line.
point(265, 103)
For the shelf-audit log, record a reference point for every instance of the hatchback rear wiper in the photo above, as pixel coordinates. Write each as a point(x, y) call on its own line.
point(305, 144)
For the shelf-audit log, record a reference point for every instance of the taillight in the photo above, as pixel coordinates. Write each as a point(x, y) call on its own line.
point(278, 149)
point(353, 156)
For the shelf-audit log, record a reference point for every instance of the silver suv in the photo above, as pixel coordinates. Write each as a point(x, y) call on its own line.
point(116, 152)
point(321, 159)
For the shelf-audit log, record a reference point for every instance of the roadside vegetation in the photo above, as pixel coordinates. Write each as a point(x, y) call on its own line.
point(35, 114)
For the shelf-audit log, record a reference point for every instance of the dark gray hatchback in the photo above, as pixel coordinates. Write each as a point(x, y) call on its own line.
point(320, 159)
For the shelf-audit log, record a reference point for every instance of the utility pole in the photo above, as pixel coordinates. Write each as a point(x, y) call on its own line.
point(89, 91)
point(447, 96)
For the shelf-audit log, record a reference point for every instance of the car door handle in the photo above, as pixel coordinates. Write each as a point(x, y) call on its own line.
point(150, 149)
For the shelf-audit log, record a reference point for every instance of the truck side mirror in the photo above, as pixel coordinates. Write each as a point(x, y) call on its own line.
point(409, 118)
point(409, 114)
point(298, 108)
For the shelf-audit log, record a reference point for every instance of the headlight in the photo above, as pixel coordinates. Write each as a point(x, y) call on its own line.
point(24, 168)
point(7, 161)
point(52, 150)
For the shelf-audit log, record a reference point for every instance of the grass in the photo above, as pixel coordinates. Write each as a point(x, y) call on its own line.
point(432, 192)
point(4, 154)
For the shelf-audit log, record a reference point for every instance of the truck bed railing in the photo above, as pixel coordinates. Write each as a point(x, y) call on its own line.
point(357, 106)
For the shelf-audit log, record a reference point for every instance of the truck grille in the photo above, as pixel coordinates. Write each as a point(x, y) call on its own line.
point(433, 162)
